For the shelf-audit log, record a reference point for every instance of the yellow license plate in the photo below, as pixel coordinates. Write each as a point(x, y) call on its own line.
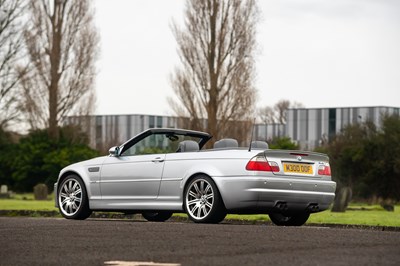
point(298, 168)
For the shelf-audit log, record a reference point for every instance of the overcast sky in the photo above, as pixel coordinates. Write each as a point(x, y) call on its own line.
point(321, 53)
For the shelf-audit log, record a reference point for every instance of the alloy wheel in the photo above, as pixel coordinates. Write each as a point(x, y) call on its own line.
point(199, 199)
point(70, 197)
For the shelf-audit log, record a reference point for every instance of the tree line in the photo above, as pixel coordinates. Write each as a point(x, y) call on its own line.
point(36, 158)
point(48, 50)
point(366, 158)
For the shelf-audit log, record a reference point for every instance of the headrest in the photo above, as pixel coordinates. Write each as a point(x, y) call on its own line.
point(188, 145)
point(257, 144)
point(226, 143)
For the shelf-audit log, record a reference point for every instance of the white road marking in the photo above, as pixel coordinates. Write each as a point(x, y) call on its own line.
point(138, 263)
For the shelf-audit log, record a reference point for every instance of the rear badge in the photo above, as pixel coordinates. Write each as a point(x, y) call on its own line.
point(299, 158)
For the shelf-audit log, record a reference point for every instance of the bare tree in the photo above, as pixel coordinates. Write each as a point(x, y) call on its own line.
point(281, 108)
point(10, 53)
point(62, 44)
point(278, 113)
point(216, 49)
point(267, 115)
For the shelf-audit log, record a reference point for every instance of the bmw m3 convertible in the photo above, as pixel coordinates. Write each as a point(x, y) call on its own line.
point(164, 171)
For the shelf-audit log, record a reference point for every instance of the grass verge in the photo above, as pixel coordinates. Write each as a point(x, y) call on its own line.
point(374, 215)
point(28, 205)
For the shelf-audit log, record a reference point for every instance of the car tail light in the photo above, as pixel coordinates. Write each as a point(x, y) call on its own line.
point(324, 170)
point(259, 163)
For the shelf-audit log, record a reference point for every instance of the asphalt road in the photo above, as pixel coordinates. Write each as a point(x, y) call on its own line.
point(50, 241)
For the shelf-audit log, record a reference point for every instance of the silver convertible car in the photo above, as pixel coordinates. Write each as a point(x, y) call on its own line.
point(164, 171)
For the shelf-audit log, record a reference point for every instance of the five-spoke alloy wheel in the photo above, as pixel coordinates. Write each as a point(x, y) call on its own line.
point(72, 198)
point(202, 201)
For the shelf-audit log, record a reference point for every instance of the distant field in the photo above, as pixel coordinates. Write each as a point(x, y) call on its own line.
point(372, 215)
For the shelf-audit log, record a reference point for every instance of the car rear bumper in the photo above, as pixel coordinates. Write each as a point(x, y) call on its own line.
point(275, 194)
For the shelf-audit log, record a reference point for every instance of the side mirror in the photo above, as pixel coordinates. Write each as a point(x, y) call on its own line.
point(114, 151)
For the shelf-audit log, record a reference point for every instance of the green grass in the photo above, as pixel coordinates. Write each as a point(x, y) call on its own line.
point(26, 202)
point(29, 205)
point(361, 214)
point(371, 215)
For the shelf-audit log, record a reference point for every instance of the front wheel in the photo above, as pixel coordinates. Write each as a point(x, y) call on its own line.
point(202, 201)
point(294, 220)
point(72, 198)
point(160, 216)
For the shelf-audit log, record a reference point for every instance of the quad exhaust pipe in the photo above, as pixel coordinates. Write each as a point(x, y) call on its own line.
point(313, 207)
point(281, 206)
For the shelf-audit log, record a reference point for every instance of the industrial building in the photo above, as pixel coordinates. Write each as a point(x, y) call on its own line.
point(308, 127)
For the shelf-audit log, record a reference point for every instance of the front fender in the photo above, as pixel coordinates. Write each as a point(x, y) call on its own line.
point(90, 173)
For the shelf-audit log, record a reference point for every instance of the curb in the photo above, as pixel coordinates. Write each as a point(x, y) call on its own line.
point(120, 216)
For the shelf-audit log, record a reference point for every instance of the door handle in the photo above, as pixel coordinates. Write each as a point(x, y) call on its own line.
point(157, 160)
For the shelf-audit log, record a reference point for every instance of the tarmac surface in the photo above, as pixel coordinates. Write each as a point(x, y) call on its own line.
point(58, 241)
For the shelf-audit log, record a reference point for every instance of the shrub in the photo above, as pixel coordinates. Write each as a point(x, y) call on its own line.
point(38, 159)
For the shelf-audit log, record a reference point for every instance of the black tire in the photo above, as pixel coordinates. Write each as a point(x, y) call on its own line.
point(202, 201)
point(160, 216)
point(294, 220)
point(72, 198)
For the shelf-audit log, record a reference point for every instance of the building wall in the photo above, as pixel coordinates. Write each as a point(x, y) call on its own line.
point(105, 131)
point(307, 127)
point(266, 132)
point(312, 127)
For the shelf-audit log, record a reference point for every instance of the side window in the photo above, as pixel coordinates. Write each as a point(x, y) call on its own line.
point(153, 144)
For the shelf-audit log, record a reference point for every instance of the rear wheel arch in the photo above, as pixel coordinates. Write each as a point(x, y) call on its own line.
point(202, 200)
point(188, 180)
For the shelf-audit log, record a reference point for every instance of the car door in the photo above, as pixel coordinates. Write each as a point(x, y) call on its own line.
point(136, 173)
point(131, 177)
